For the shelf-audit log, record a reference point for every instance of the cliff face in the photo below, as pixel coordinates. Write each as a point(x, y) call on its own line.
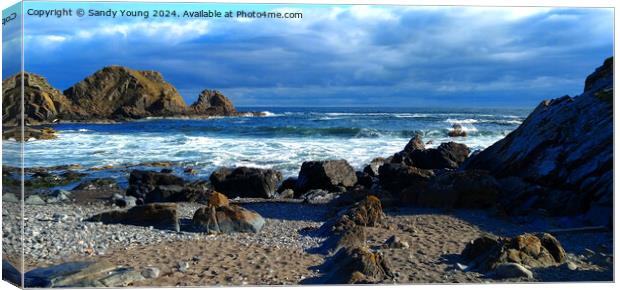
point(565, 144)
point(212, 102)
point(42, 102)
point(117, 92)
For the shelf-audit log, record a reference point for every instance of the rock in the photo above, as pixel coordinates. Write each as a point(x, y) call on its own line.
point(155, 186)
point(228, 219)
point(415, 144)
point(34, 200)
point(395, 177)
point(447, 155)
point(212, 102)
point(246, 182)
point(183, 266)
point(358, 264)
point(43, 103)
point(372, 168)
point(318, 196)
point(457, 131)
point(367, 212)
point(288, 183)
point(512, 270)
point(486, 252)
point(570, 266)
point(467, 189)
point(124, 200)
point(395, 242)
point(216, 199)
point(158, 215)
point(327, 175)
point(98, 184)
point(116, 92)
point(10, 197)
point(564, 144)
point(552, 245)
point(287, 193)
point(58, 195)
point(28, 134)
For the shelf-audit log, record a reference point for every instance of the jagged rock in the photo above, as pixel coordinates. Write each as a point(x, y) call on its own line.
point(228, 219)
point(158, 215)
point(486, 253)
point(512, 270)
point(151, 186)
point(118, 92)
point(327, 175)
point(43, 103)
point(358, 265)
point(372, 168)
point(415, 143)
point(216, 199)
point(367, 212)
point(564, 144)
point(446, 155)
point(246, 182)
point(212, 102)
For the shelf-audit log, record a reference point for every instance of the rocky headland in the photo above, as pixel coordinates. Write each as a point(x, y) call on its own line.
point(112, 94)
point(534, 207)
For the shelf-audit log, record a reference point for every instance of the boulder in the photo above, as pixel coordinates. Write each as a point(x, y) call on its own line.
point(10, 197)
point(564, 144)
point(358, 265)
point(216, 199)
point(158, 215)
point(288, 183)
point(532, 250)
point(213, 102)
point(447, 155)
point(367, 212)
point(98, 184)
point(394, 177)
point(327, 175)
point(228, 219)
point(372, 168)
point(457, 131)
point(246, 182)
point(512, 270)
point(318, 196)
point(154, 186)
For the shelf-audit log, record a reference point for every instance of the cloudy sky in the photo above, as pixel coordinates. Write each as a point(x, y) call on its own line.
point(337, 55)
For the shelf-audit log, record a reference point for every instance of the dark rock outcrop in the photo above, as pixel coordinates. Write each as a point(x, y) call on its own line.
point(564, 145)
point(468, 189)
point(246, 182)
point(212, 102)
point(158, 215)
point(447, 155)
point(151, 186)
point(403, 180)
point(327, 175)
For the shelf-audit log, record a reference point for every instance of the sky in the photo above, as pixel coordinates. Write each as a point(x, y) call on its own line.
point(376, 56)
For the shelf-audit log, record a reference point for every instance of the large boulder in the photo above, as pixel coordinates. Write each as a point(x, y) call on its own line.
point(117, 92)
point(246, 182)
point(228, 219)
point(358, 265)
point(212, 102)
point(532, 250)
point(367, 212)
point(564, 144)
point(396, 177)
point(158, 215)
point(151, 186)
point(447, 155)
point(327, 175)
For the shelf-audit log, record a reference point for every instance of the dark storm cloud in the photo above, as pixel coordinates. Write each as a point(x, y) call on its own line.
point(344, 56)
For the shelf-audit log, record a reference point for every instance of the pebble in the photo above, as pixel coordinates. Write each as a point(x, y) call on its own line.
point(150, 272)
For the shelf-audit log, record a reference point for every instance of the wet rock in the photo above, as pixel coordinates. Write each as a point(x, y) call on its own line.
point(228, 219)
point(457, 131)
point(246, 182)
point(372, 168)
point(154, 186)
point(512, 270)
point(327, 175)
point(415, 144)
point(98, 184)
point(158, 215)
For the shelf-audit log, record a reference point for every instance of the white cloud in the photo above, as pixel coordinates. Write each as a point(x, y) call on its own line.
point(167, 31)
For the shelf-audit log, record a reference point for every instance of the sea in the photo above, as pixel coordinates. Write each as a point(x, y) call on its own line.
point(283, 139)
